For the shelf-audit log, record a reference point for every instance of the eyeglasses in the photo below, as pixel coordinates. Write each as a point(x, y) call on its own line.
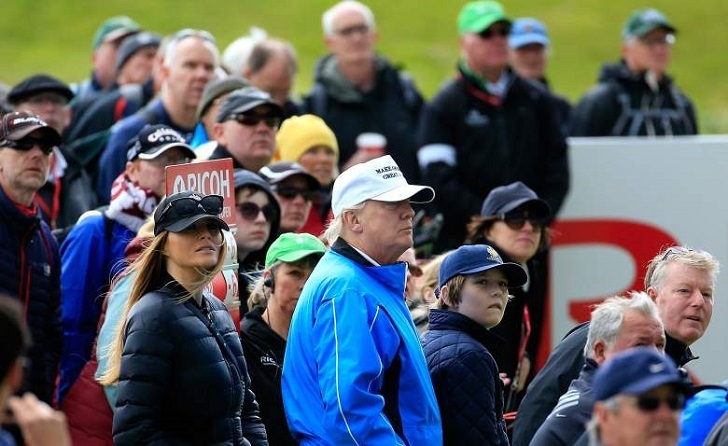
point(252, 120)
point(517, 222)
point(290, 192)
point(250, 211)
point(674, 251)
point(489, 33)
point(652, 403)
point(27, 143)
point(184, 207)
point(189, 32)
point(351, 30)
point(667, 39)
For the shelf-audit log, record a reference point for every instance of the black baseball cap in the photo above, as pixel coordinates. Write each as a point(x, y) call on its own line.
point(246, 99)
point(504, 199)
point(154, 140)
point(179, 211)
point(36, 84)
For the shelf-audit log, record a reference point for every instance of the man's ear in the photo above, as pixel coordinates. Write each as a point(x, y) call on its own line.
point(600, 352)
point(353, 220)
point(218, 133)
point(652, 293)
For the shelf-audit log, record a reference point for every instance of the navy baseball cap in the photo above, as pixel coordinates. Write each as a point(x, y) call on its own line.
point(472, 259)
point(635, 371)
point(526, 31)
point(37, 84)
point(504, 199)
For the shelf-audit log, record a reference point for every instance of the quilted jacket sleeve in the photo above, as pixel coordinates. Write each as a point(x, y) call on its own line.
point(146, 368)
point(470, 399)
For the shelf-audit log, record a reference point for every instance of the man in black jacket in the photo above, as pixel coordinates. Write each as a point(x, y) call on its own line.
point(489, 127)
point(635, 97)
point(681, 281)
point(358, 91)
point(29, 261)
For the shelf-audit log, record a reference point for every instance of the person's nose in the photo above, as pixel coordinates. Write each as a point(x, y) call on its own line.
point(408, 212)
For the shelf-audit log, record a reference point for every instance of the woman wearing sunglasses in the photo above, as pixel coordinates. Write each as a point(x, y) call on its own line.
point(176, 357)
point(513, 221)
point(289, 262)
point(258, 217)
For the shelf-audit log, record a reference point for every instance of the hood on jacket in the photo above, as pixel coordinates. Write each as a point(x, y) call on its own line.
point(327, 73)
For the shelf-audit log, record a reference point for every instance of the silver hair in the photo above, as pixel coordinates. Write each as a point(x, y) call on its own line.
point(170, 52)
point(701, 260)
point(592, 426)
point(607, 318)
point(330, 15)
point(333, 230)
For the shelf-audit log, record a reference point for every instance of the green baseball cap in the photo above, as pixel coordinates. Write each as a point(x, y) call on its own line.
point(478, 16)
point(114, 28)
point(291, 247)
point(643, 21)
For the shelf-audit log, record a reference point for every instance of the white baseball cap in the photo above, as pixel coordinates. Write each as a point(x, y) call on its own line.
point(379, 179)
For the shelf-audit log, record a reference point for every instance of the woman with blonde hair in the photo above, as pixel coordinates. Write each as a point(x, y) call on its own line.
point(176, 357)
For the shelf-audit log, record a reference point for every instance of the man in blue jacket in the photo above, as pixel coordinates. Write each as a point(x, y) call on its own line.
point(93, 252)
point(354, 371)
point(29, 261)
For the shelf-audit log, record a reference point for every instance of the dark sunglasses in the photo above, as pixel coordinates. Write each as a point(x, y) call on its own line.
point(290, 192)
point(252, 120)
point(27, 143)
point(492, 32)
point(652, 403)
point(250, 211)
point(517, 222)
point(189, 206)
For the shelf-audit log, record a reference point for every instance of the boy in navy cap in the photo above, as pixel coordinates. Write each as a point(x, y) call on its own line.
point(473, 294)
point(640, 395)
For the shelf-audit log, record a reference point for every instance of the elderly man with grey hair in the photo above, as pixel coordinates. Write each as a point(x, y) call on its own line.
point(617, 324)
point(681, 281)
point(356, 90)
point(354, 370)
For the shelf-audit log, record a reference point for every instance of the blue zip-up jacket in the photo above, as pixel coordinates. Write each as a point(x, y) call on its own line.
point(30, 272)
point(354, 370)
point(90, 259)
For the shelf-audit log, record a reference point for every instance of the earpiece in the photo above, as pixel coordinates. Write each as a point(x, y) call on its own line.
point(269, 283)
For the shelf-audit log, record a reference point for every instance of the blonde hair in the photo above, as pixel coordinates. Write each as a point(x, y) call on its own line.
point(147, 268)
point(430, 275)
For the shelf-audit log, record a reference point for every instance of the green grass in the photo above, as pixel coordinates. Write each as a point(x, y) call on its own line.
point(55, 37)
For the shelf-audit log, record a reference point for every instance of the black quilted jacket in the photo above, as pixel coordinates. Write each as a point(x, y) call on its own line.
point(178, 383)
point(465, 376)
point(30, 271)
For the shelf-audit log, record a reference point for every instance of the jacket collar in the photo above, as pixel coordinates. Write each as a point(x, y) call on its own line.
point(677, 351)
point(451, 320)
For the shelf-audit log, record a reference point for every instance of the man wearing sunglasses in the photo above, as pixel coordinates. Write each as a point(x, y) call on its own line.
point(635, 96)
point(295, 190)
point(639, 396)
point(488, 127)
point(246, 128)
point(93, 252)
point(29, 259)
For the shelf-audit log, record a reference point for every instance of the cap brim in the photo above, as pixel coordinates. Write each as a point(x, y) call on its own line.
point(119, 33)
point(49, 133)
point(540, 207)
point(161, 149)
point(411, 192)
point(185, 223)
point(516, 42)
point(486, 22)
point(514, 273)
